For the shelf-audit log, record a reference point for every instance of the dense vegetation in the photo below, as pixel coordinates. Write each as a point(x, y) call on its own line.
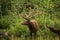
point(11, 11)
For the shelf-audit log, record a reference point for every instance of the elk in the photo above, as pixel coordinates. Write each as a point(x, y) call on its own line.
point(32, 25)
point(55, 31)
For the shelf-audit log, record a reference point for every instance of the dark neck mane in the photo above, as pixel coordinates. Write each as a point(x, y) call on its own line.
point(30, 26)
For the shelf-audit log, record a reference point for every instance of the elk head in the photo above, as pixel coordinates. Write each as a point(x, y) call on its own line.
point(26, 22)
point(27, 16)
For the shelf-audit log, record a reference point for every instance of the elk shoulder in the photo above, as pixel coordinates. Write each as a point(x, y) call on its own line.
point(35, 24)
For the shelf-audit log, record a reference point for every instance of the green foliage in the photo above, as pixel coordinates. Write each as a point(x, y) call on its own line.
point(10, 11)
point(4, 24)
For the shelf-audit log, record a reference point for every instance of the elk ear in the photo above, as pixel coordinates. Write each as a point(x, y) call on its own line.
point(26, 18)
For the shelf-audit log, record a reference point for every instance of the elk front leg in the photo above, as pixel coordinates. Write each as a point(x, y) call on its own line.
point(34, 33)
point(31, 34)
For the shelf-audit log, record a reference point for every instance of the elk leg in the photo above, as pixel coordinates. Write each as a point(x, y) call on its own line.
point(34, 33)
point(31, 34)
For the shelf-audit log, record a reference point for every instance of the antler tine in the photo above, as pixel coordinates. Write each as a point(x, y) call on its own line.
point(25, 16)
point(36, 12)
point(31, 15)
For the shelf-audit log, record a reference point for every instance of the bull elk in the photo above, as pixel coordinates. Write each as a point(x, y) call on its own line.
point(32, 25)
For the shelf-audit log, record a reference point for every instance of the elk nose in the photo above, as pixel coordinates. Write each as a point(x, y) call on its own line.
point(22, 23)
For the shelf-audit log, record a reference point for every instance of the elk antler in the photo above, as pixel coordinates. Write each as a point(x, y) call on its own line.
point(35, 13)
point(31, 14)
point(25, 16)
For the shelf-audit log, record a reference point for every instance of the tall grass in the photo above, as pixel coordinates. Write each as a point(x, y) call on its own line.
point(16, 29)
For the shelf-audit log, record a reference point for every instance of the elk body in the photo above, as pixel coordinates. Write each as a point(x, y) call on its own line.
point(32, 25)
point(55, 31)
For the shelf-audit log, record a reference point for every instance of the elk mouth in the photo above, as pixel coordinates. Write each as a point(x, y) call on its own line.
point(22, 23)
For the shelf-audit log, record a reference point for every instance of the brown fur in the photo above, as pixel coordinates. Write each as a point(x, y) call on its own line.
point(32, 25)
